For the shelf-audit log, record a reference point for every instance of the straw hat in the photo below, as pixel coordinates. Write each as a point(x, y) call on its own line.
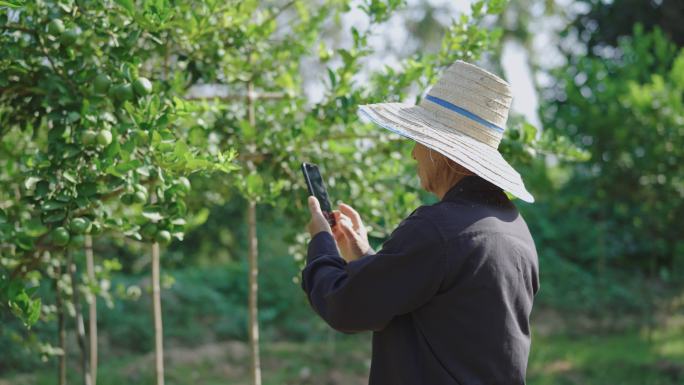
point(463, 117)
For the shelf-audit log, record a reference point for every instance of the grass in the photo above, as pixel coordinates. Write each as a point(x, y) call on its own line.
point(628, 357)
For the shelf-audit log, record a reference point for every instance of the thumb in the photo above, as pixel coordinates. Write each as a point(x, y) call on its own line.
point(314, 206)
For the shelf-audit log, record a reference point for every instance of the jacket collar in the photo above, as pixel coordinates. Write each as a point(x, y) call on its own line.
point(471, 187)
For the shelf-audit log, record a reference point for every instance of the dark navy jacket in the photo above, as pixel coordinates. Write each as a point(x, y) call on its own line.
point(448, 297)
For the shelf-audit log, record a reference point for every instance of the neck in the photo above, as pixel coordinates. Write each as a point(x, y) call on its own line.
point(443, 188)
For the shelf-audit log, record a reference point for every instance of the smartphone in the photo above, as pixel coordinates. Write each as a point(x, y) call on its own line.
point(316, 188)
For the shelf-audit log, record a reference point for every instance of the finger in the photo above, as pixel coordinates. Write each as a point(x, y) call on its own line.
point(347, 230)
point(351, 213)
point(342, 217)
point(337, 217)
point(338, 234)
point(346, 220)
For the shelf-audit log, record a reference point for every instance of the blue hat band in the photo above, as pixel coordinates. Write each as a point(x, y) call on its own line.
point(464, 112)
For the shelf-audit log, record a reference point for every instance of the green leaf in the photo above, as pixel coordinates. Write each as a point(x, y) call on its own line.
point(67, 175)
point(33, 312)
point(34, 228)
point(12, 4)
point(24, 241)
point(333, 79)
point(255, 184)
point(178, 222)
point(152, 215)
point(127, 5)
point(87, 189)
point(30, 182)
point(123, 168)
point(199, 218)
point(53, 205)
point(181, 149)
point(530, 133)
point(496, 7)
point(247, 130)
point(56, 216)
point(476, 8)
point(71, 151)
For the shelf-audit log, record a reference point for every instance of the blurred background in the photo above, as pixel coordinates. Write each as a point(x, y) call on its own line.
point(596, 130)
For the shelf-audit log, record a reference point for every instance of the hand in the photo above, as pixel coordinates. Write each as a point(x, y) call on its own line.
point(318, 222)
point(350, 233)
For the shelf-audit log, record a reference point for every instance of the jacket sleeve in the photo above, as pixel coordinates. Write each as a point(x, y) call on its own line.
point(367, 293)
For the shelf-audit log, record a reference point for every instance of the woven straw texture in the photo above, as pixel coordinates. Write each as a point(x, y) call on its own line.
point(455, 135)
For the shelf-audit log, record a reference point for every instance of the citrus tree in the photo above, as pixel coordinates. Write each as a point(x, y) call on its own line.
point(91, 149)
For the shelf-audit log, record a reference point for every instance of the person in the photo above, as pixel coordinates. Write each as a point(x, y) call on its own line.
point(449, 295)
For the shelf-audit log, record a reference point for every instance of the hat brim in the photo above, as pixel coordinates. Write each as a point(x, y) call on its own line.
point(414, 122)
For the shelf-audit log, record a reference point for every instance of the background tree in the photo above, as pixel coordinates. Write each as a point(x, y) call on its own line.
point(606, 22)
point(631, 127)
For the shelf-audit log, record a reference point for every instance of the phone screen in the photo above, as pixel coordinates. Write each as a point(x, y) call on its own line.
point(314, 182)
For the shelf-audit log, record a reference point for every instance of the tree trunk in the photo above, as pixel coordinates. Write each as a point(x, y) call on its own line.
point(156, 310)
point(61, 328)
point(92, 309)
point(80, 325)
point(253, 265)
point(253, 295)
point(156, 305)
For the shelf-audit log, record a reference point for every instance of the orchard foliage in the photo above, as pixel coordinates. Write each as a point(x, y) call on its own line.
point(90, 137)
point(360, 163)
point(100, 131)
point(627, 110)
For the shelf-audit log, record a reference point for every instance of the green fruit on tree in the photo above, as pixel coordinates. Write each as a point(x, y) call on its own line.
point(149, 230)
point(113, 91)
point(121, 92)
point(139, 197)
point(88, 137)
point(60, 236)
point(183, 184)
point(127, 199)
point(163, 237)
point(104, 138)
point(142, 86)
point(69, 36)
point(77, 240)
point(101, 83)
point(79, 225)
point(56, 27)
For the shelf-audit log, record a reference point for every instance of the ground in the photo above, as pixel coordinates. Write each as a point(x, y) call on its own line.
point(635, 356)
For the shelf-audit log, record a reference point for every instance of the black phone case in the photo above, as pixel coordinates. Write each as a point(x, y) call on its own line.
point(322, 196)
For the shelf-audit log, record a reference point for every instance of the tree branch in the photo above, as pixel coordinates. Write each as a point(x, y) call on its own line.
point(278, 12)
